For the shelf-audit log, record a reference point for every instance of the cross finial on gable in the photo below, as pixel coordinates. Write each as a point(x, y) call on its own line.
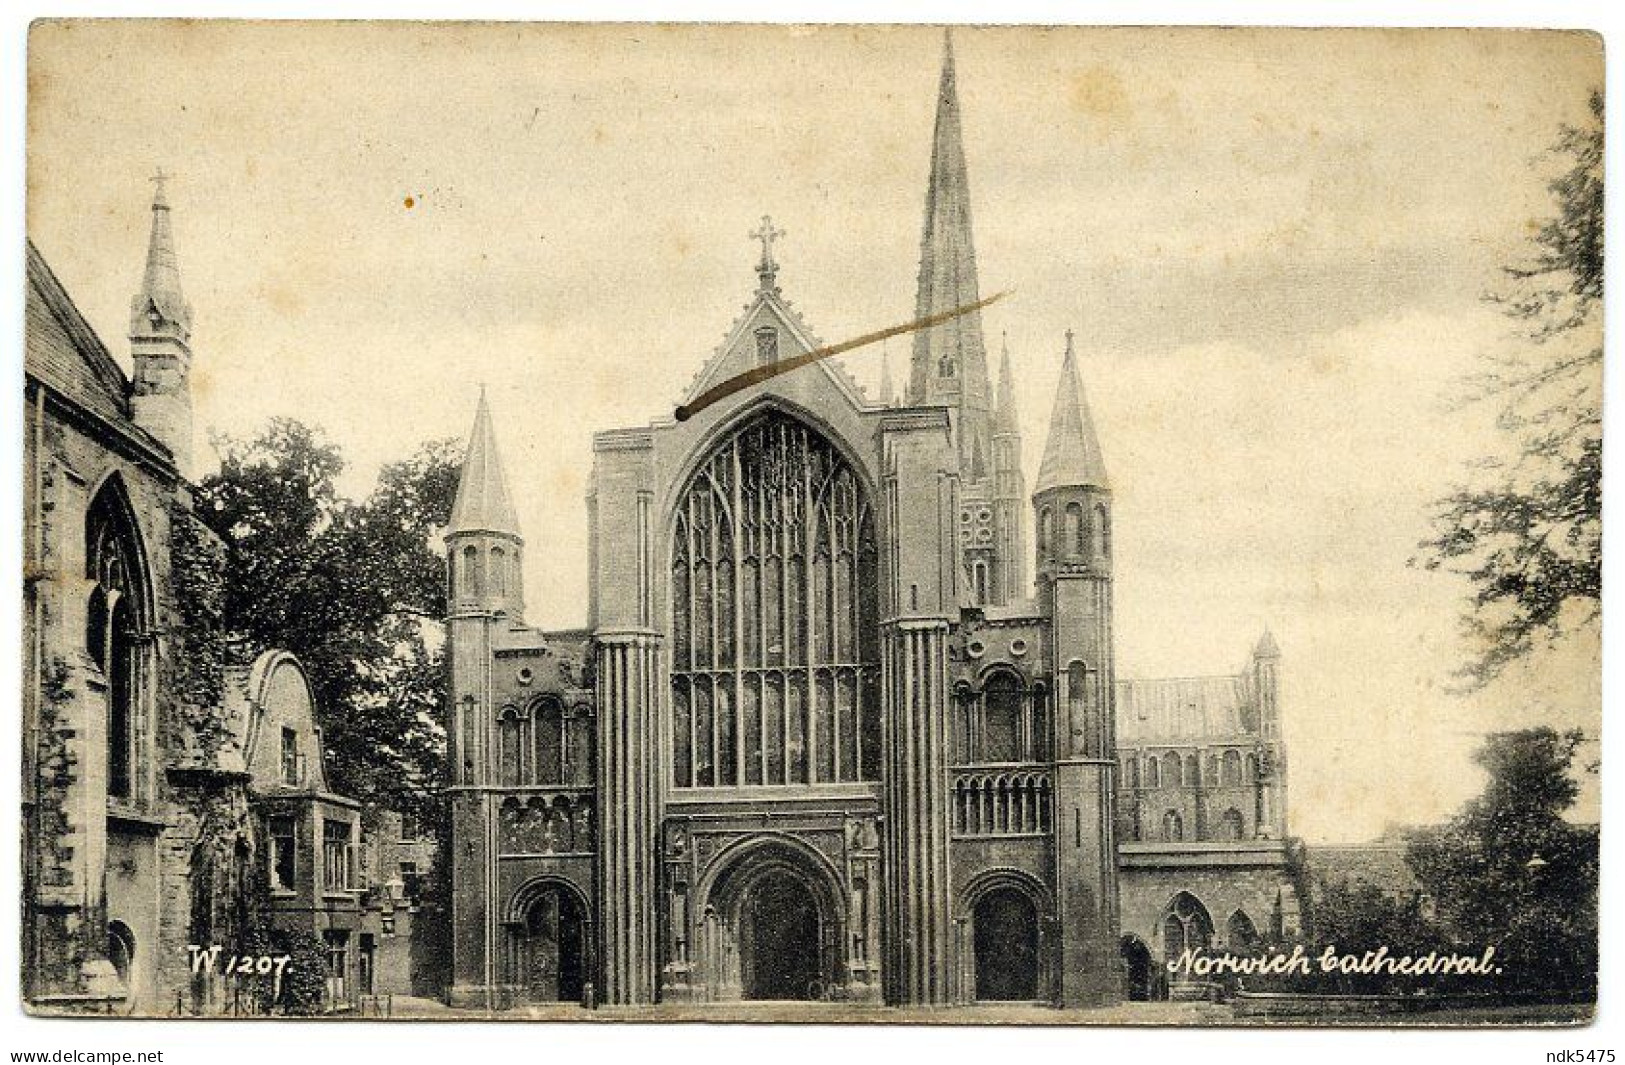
point(767, 270)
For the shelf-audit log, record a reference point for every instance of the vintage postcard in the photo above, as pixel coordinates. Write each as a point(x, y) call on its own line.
point(812, 523)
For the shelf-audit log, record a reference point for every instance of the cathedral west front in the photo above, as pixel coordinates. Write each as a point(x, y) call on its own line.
point(835, 729)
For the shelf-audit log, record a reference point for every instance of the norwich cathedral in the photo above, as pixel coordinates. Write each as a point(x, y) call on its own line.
point(836, 729)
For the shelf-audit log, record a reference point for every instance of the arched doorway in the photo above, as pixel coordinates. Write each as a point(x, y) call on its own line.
point(1005, 929)
point(778, 939)
point(1137, 968)
point(771, 927)
point(550, 946)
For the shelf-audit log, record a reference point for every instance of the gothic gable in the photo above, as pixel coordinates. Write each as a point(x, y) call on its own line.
point(769, 331)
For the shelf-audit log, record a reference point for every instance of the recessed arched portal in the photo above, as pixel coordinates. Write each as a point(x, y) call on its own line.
point(771, 927)
point(1005, 928)
point(548, 956)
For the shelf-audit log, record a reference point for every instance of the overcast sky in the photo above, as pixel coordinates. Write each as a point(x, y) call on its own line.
point(1273, 246)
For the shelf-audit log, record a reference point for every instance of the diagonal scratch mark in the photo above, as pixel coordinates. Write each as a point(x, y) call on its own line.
point(739, 382)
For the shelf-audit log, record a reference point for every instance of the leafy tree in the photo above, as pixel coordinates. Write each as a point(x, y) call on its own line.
point(355, 589)
point(1358, 918)
point(1508, 869)
point(1529, 539)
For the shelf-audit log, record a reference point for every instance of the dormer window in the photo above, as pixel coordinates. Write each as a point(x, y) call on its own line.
point(767, 345)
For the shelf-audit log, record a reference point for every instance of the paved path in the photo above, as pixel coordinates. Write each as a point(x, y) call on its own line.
point(1127, 1014)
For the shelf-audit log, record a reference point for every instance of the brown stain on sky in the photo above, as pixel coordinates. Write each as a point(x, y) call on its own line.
point(1098, 93)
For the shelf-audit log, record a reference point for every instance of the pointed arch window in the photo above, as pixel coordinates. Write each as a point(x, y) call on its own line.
point(1187, 926)
point(775, 608)
point(1103, 531)
point(1046, 530)
point(1240, 932)
point(115, 622)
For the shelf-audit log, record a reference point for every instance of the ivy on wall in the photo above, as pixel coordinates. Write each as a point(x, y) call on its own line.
point(197, 577)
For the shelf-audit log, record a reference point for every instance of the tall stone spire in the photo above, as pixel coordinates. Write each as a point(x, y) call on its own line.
point(1005, 419)
point(950, 363)
point(160, 308)
point(1072, 457)
point(160, 339)
point(483, 504)
point(1009, 489)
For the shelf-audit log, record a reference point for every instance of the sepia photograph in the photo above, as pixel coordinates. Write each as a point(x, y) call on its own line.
point(815, 524)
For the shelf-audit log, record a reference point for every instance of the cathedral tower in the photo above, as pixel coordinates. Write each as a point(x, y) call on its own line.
point(1073, 503)
point(484, 586)
point(949, 365)
point(484, 593)
point(160, 342)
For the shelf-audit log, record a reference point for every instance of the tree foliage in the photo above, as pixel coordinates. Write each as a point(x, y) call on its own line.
point(1529, 537)
point(1356, 919)
point(1508, 870)
point(354, 588)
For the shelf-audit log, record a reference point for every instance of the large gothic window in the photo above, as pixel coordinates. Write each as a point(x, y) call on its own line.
point(775, 631)
point(113, 562)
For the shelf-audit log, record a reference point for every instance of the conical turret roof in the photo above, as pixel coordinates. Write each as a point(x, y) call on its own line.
point(1072, 457)
point(483, 503)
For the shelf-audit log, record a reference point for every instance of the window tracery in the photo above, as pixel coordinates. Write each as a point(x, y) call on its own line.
point(775, 641)
point(113, 630)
